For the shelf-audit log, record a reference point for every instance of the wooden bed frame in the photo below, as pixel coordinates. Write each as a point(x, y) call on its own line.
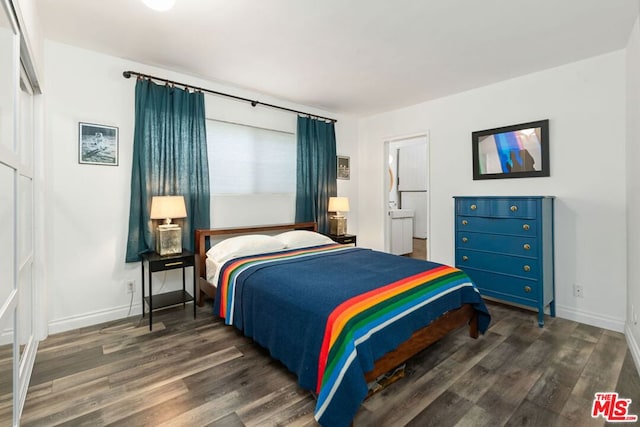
point(420, 340)
point(208, 289)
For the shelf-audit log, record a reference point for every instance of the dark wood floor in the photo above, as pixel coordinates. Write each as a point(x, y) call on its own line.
point(199, 372)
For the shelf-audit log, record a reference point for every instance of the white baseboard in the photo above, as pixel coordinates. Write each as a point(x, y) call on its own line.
point(606, 322)
point(633, 346)
point(92, 318)
point(5, 340)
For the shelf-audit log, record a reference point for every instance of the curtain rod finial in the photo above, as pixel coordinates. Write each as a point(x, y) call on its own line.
point(126, 74)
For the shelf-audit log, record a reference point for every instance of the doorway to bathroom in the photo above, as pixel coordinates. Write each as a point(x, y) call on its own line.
point(406, 194)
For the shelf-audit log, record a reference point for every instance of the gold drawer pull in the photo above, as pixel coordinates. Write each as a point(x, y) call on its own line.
point(514, 208)
point(169, 264)
point(526, 268)
point(474, 207)
point(465, 258)
point(465, 240)
point(525, 227)
point(527, 289)
point(526, 246)
point(465, 222)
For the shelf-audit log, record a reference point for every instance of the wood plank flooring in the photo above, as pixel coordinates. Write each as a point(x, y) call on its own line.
point(419, 248)
point(201, 373)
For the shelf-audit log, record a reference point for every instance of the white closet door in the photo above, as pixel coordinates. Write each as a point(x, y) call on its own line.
point(25, 336)
point(9, 173)
point(8, 290)
point(17, 211)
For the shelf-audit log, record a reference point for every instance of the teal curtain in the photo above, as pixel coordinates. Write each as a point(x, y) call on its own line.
point(316, 171)
point(169, 158)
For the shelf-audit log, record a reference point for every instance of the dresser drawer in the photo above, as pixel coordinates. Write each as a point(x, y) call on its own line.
point(519, 227)
point(499, 208)
point(500, 263)
point(511, 245)
point(505, 287)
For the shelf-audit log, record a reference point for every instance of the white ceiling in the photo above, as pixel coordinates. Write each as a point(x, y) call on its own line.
point(349, 56)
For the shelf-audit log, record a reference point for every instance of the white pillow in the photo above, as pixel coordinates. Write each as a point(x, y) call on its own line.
point(302, 238)
point(240, 246)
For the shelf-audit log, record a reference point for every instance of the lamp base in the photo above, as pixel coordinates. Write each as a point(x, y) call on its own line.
point(338, 225)
point(168, 240)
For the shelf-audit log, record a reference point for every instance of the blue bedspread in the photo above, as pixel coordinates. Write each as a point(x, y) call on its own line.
point(327, 313)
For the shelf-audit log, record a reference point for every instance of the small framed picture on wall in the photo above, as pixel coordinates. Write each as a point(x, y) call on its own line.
point(97, 144)
point(344, 171)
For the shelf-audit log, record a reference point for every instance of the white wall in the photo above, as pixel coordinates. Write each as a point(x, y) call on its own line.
point(632, 330)
point(585, 103)
point(88, 206)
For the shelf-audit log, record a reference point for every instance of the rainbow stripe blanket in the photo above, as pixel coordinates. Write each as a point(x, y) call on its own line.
point(329, 312)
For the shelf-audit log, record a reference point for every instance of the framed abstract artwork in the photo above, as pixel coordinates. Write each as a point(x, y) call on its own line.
point(517, 151)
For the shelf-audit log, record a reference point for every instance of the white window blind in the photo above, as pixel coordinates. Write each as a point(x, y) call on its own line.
point(250, 160)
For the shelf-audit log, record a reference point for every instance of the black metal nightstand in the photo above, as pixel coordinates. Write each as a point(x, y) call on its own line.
point(156, 263)
point(345, 239)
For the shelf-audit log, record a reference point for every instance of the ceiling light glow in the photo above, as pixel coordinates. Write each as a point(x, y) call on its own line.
point(159, 5)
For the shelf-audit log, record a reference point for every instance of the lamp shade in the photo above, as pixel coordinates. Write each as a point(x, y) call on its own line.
point(168, 207)
point(338, 204)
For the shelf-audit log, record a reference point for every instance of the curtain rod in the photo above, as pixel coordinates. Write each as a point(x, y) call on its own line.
point(128, 74)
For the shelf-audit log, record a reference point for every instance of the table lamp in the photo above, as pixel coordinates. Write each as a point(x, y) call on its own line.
point(168, 234)
point(337, 222)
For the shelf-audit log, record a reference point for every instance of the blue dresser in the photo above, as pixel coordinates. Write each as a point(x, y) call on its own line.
point(505, 244)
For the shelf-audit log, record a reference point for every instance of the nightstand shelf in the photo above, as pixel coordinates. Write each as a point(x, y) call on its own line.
point(168, 299)
point(345, 239)
point(155, 263)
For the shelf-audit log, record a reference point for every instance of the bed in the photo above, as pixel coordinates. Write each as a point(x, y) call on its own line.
point(338, 317)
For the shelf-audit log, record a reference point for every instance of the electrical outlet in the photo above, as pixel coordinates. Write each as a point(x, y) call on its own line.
point(578, 291)
point(131, 288)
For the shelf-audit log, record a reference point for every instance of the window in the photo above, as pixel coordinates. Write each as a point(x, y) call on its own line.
point(252, 175)
point(250, 160)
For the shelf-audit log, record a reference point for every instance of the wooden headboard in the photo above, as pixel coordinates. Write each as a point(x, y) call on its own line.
point(203, 234)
